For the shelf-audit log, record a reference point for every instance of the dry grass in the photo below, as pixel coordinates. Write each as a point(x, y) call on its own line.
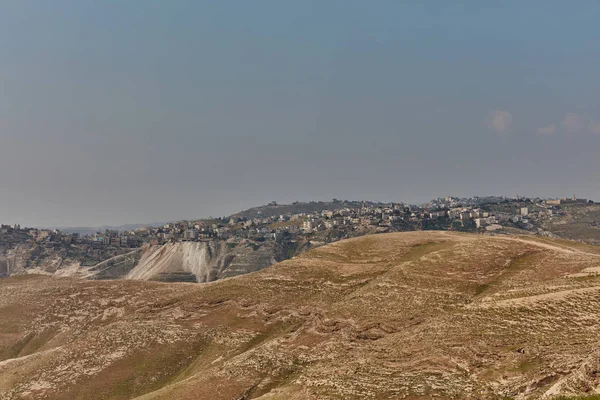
point(408, 315)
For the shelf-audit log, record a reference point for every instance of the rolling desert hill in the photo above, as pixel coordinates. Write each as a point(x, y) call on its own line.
point(413, 315)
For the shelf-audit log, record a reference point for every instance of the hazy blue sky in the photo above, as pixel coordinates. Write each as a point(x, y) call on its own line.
point(136, 111)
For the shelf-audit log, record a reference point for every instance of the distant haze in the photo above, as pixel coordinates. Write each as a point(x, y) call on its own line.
point(138, 111)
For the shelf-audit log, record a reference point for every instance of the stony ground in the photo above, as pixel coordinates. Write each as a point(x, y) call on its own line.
point(396, 316)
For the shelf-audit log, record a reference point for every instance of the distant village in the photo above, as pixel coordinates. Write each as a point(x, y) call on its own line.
point(335, 220)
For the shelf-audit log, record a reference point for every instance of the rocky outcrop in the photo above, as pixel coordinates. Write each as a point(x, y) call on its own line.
point(203, 261)
point(173, 262)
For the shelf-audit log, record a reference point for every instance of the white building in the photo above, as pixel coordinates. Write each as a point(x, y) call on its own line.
point(307, 226)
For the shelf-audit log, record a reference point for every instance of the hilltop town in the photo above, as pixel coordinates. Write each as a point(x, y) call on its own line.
point(325, 222)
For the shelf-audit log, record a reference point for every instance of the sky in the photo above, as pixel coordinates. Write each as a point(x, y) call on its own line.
point(117, 112)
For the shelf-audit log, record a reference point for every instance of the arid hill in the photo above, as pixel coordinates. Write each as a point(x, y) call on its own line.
point(396, 316)
point(581, 222)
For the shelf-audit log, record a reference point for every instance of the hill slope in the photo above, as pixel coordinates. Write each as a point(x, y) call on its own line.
point(203, 261)
point(406, 315)
point(173, 261)
point(581, 222)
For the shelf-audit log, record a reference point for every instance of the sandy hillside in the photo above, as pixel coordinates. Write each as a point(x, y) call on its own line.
point(395, 316)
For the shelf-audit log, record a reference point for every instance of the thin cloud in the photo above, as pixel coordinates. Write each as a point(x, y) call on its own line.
point(572, 123)
point(547, 130)
point(594, 127)
point(500, 121)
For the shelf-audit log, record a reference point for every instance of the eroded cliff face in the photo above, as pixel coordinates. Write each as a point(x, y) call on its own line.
point(26, 258)
point(64, 260)
point(203, 261)
point(178, 261)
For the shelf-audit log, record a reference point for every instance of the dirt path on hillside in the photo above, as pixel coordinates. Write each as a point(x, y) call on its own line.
point(557, 248)
point(521, 301)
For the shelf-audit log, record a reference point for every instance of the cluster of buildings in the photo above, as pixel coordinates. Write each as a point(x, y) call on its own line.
point(332, 221)
point(467, 214)
point(112, 239)
point(54, 236)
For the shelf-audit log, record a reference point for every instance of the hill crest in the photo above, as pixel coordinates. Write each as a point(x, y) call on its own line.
point(404, 315)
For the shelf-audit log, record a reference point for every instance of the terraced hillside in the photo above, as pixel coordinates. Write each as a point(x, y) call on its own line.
point(396, 316)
